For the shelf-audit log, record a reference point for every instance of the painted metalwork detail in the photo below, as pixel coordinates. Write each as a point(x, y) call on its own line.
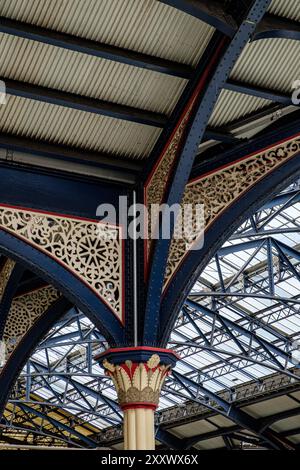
point(24, 312)
point(90, 250)
point(218, 190)
point(138, 383)
point(5, 275)
point(157, 182)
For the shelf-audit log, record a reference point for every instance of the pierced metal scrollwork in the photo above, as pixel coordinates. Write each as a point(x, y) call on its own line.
point(24, 312)
point(5, 274)
point(90, 250)
point(218, 190)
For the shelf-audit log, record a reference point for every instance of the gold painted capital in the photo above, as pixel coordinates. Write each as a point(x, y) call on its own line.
point(138, 384)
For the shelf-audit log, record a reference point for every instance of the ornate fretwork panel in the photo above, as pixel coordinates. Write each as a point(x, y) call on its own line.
point(5, 274)
point(24, 312)
point(217, 191)
point(156, 184)
point(90, 250)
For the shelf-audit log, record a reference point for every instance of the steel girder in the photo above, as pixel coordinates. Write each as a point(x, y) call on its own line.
point(264, 93)
point(82, 388)
point(211, 12)
point(273, 27)
point(52, 375)
point(64, 432)
point(93, 48)
point(18, 358)
point(232, 412)
point(218, 16)
point(185, 161)
point(89, 105)
point(229, 327)
point(8, 295)
point(222, 229)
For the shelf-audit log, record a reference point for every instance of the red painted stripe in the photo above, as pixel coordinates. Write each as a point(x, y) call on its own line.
point(257, 152)
point(189, 105)
point(199, 178)
point(138, 348)
point(134, 406)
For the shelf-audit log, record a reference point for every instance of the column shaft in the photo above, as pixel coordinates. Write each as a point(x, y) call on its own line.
point(139, 429)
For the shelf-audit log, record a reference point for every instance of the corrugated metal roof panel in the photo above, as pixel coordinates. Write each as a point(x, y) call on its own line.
point(54, 67)
point(286, 8)
point(55, 124)
point(146, 26)
point(232, 106)
point(269, 63)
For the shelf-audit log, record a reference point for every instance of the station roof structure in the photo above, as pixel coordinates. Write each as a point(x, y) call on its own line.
point(233, 343)
point(96, 85)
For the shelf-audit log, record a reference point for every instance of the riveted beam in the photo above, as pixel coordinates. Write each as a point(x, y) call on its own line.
point(186, 158)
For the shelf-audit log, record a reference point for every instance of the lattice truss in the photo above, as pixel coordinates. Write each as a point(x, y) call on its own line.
point(237, 334)
point(24, 310)
point(90, 250)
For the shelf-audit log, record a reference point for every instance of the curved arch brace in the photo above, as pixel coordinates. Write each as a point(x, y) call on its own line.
point(21, 354)
point(189, 148)
point(217, 234)
point(65, 282)
point(273, 27)
point(8, 295)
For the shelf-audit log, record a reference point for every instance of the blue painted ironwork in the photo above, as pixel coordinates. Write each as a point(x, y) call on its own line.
point(273, 27)
point(20, 355)
point(93, 48)
point(58, 425)
point(222, 228)
point(186, 159)
point(83, 103)
point(121, 170)
point(209, 11)
point(8, 295)
point(264, 93)
point(238, 416)
point(51, 271)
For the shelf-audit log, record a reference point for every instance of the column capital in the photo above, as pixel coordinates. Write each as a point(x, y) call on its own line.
point(138, 373)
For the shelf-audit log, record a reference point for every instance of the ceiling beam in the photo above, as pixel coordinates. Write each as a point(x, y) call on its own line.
point(191, 441)
point(220, 136)
point(26, 151)
point(268, 421)
point(264, 93)
point(170, 440)
point(83, 103)
point(209, 11)
point(275, 27)
point(93, 48)
point(229, 410)
point(82, 388)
